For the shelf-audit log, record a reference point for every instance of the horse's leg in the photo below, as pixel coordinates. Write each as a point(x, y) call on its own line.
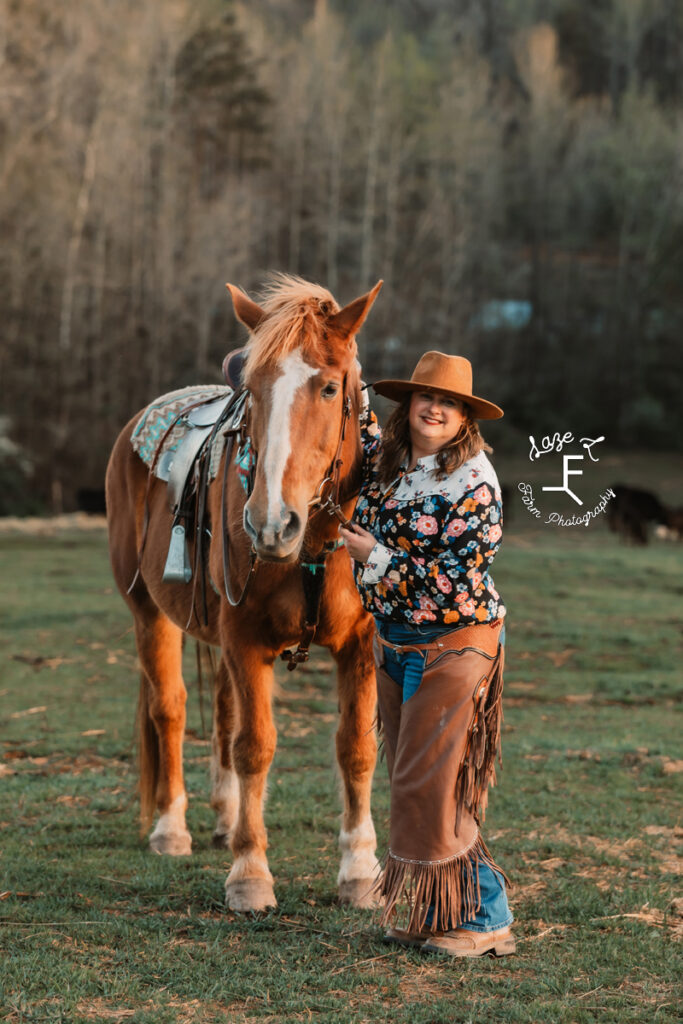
point(224, 783)
point(161, 731)
point(249, 885)
point(357, 754)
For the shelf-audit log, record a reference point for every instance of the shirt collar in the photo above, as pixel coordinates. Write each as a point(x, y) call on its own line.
point(427, 463)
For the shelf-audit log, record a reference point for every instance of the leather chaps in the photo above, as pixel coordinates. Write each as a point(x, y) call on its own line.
point(440, 746)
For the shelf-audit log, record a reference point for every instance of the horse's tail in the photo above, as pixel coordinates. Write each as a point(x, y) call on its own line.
point(148, 757)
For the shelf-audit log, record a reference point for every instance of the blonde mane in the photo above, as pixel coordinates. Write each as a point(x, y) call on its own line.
point(296, 313)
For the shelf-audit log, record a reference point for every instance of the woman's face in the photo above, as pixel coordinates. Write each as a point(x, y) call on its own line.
point(435, 419)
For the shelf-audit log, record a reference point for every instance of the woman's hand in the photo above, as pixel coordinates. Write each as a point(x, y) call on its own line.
point(358, 542)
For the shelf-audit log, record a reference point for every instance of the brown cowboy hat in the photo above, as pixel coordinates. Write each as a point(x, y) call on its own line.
point(438, 372)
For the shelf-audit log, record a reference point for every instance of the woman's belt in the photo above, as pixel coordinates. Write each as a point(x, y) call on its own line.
point(484, 637)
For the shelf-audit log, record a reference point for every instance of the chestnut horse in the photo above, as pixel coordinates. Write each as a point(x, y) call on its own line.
point(301, 367)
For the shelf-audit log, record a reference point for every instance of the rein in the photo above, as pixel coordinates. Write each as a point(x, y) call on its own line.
point(313, 572)
point(235, 602)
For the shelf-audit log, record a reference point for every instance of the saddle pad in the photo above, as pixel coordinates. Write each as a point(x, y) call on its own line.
point(156, 420)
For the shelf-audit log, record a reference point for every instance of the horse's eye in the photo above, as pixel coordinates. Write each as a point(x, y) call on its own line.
point(330, 390)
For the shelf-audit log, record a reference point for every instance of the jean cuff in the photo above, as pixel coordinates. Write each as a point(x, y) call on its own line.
point(488, 928)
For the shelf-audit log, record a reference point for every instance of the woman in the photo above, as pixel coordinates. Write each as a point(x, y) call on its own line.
point(426, 529)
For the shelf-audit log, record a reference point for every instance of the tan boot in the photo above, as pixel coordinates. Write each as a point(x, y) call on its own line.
point(464, 942)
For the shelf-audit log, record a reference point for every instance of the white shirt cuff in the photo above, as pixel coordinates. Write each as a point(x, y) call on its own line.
point(377, 563)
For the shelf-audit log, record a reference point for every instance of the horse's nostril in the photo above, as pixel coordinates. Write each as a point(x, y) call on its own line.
point(291, 525)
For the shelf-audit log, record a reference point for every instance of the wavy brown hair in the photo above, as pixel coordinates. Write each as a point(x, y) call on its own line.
point(396, 448)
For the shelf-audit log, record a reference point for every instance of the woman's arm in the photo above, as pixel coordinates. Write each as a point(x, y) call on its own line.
point(370, 432)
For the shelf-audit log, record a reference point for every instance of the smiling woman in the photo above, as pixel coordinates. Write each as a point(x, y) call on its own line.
point(427, 527)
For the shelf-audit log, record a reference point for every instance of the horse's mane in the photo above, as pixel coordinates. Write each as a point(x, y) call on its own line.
point(297, 311)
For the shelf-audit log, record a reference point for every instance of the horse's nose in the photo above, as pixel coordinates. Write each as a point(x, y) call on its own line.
point(280, 531)
point(275, 534)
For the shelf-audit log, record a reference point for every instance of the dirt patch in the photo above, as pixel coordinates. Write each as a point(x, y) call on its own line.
point(623, 850)
point(552, 863)
point(670, 864)
point(675, 918)
point(424, 984)
point(560, 658)
point(61, 765)
point(663, 830)
point(631, 852)
point(187, 1012)
point(530, 891)
point(603, 877)
point(96, 1009)
point(39, 526)
point(295, 731)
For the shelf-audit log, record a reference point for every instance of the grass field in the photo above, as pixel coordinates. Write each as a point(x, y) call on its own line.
point(586, 819)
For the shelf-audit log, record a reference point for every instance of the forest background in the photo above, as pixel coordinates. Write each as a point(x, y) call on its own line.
point(513, 169)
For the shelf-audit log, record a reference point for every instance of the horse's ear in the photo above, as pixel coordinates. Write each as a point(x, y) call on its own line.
point(349, 319)
point(247, 311)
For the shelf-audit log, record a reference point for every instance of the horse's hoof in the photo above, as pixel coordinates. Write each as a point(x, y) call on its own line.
point(172, 844)
point(359, 892)
point(221, 840)
point(250, 894)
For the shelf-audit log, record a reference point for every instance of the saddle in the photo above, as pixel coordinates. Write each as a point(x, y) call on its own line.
point(181, 437)
point(163, 425)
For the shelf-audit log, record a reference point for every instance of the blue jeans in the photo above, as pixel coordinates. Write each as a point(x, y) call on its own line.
point(406, 670)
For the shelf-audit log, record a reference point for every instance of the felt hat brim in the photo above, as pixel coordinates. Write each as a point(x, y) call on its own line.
point(397, 389)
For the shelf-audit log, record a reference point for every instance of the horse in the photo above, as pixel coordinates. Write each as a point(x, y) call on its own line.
point(301, 377)
point(632, 510)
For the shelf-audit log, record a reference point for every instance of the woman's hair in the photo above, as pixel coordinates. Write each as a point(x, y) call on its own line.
point(467, 443)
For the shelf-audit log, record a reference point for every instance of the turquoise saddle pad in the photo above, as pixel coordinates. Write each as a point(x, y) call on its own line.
point(162, 424)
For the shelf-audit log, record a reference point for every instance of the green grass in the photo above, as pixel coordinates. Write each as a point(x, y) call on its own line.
point(586, 818)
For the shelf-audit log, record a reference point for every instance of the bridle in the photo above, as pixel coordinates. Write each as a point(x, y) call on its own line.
point(325, 499)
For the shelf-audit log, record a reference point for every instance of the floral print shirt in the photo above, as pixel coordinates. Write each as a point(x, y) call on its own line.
point(436, 540)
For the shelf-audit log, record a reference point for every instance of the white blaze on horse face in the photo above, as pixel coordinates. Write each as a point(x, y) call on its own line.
point(294, 374)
